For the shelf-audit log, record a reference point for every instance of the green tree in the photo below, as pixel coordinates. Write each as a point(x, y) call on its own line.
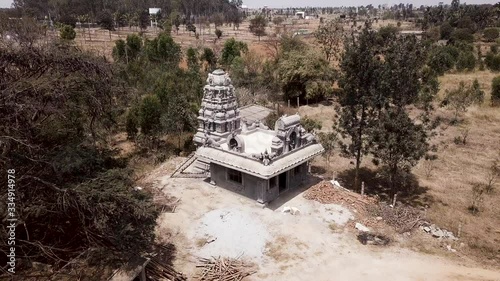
point(495, 91)
point(441, 60)
point(132, 123)
point(466, 61)
point(149, 116)
point(329, 142)
point(330, 36)
point(67, 32)
point(258, 26)
point(59, 108)
point(218, 33)
point(209, 57)
point(446, 30)
point(360, 70)
point(305, 75)
point(164, 50)
point(310, 125)
point(492, 61)
point(490, 34)
point(167, 26)
point(398, 144)
point(192, 59)
point(231, 50)
point(462, 34)
point(105, 20)
point(477, 93)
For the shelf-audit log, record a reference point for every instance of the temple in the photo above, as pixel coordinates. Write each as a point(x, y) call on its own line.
point(248, 157)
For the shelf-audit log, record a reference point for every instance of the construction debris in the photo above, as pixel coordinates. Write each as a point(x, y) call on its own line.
point(224, 269)
point(158, 271)
point(291, 210)
point(373, 239)
point(403, 218)
point(326, 193)
point(437, 232)
point(361, 227)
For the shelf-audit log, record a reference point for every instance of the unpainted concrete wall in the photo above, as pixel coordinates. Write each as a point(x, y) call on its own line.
point(256, 188)
point(251, 187)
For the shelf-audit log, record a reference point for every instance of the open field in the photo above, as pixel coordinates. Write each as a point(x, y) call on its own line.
point(102, 41)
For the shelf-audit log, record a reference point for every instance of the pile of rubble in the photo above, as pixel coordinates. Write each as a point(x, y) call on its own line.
point(402, 218)
point(327, 193)
point(438, 232)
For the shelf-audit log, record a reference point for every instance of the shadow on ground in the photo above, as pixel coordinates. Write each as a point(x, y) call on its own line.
point(292, 193)
point(410, 192)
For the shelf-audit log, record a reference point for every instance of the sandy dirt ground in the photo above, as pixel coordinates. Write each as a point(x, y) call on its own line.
point(318, 244)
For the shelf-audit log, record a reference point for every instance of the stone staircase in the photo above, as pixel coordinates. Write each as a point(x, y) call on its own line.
point(193, 167)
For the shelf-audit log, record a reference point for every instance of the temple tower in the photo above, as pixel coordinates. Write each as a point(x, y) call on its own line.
point(219, 115)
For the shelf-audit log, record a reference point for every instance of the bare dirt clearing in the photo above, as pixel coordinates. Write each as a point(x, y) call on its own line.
point(300, 247)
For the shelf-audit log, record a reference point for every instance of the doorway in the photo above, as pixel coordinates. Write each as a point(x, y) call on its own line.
point(282, 182)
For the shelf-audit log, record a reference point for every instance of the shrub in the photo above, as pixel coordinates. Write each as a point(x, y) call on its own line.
point(490, 34)
point(440, 61)
point(477, 93)
point(218, 33)
point(67, 32)
point(494, 49)
point(310, 125)
point(492, 61)
point(466, 61)
point(462, 34)
point(445, 29)
point(495, 91)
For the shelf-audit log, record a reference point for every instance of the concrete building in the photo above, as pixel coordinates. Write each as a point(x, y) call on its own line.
point(247, 157)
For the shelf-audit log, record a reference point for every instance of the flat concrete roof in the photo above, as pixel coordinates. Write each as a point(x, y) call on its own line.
point(255, 142)
point(252, 113)
point(255, 167)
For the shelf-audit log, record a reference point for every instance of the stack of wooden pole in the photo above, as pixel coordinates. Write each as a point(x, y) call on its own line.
point(403, 218)
point(224, 269)
point(158, 271)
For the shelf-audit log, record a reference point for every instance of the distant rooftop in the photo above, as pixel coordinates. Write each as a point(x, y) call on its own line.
point(252, 113)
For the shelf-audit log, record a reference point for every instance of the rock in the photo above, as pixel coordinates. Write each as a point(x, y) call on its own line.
point(450, 248)
point(295, 211)
point(361, 227)
point(138, 188)
point(427, 229)
point(438, 233)
point(286, 209)
point(378, 218)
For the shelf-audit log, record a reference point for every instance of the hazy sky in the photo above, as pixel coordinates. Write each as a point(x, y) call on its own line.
point(325, 3)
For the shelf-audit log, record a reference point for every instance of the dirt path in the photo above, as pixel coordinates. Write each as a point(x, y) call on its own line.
point(288, 247)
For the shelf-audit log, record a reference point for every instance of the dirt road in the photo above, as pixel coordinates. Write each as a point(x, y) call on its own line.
point(214, 221)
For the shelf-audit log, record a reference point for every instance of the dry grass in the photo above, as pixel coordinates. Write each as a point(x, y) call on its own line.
point(457, 167)
point(451, 81)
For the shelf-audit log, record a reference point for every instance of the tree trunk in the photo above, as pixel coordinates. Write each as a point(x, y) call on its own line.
point(356, 174)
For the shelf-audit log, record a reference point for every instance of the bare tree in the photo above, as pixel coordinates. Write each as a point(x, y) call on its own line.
point(330, 36)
